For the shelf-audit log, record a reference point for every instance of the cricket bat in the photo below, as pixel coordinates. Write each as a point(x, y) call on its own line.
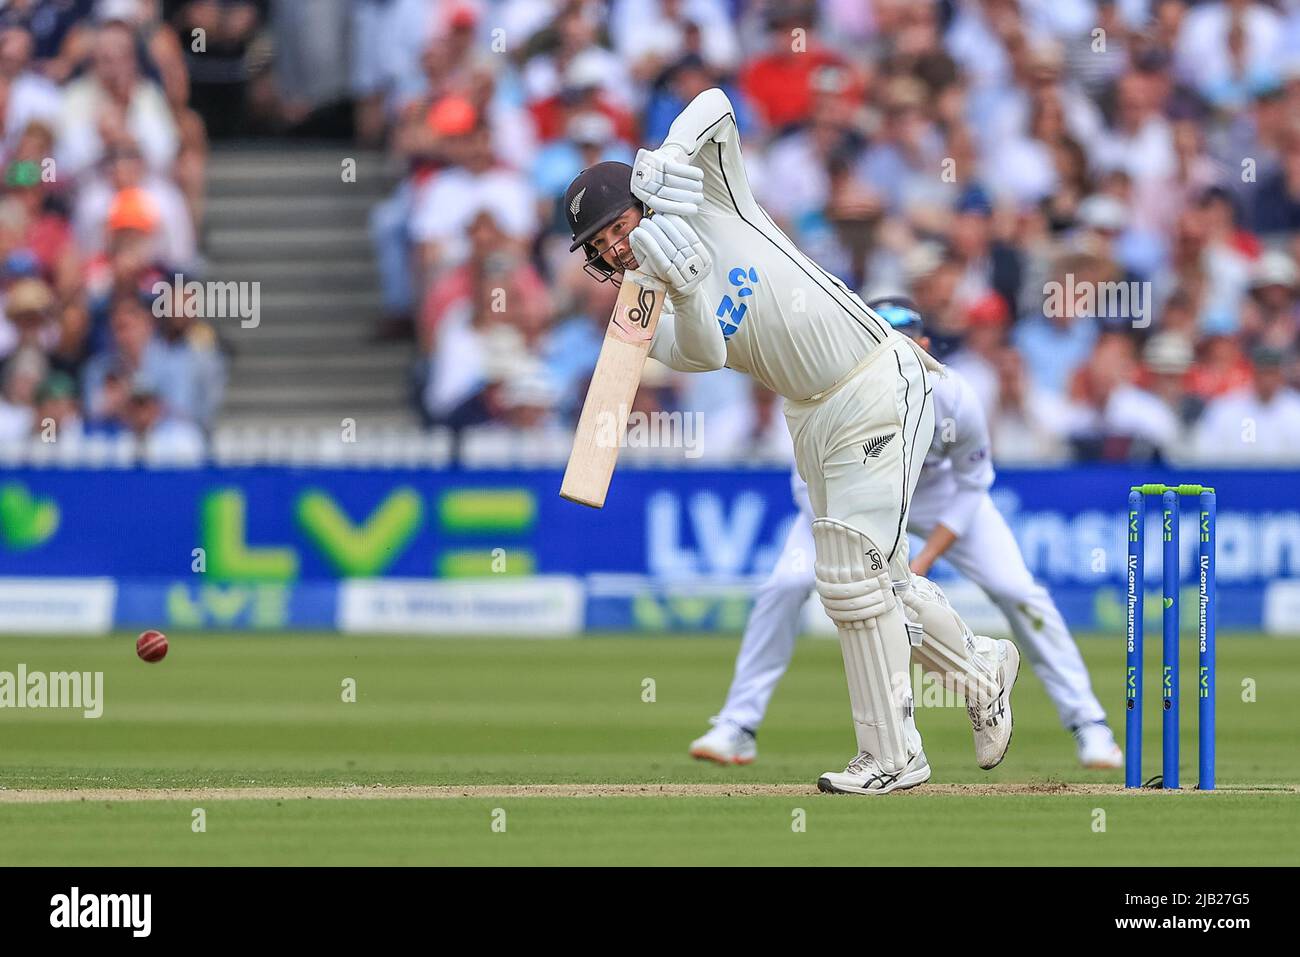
point(603, 422)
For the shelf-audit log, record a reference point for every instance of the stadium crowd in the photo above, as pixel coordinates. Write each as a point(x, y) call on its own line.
point(1096, 204)
point(103, 149)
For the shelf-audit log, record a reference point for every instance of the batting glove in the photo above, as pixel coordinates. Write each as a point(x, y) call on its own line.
point(667, 248)
point(667, 184)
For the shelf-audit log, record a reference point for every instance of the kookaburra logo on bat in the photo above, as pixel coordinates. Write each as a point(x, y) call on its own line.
point(640, 313)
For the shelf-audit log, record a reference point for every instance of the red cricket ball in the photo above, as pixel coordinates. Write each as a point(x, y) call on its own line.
point(151, 646)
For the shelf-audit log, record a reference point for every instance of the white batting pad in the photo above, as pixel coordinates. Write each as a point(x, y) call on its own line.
point(949, 649)
point(853, 581)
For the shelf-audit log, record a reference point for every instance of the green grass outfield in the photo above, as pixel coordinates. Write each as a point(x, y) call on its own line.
point(488, 718)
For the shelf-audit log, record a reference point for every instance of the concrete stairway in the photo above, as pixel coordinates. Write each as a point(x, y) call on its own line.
point(281, 215)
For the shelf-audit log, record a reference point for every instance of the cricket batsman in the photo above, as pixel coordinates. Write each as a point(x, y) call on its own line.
point(858, 404)
point(955, 516)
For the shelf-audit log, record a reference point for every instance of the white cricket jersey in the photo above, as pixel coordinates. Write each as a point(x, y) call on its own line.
point(766, 309)
point(958, 469)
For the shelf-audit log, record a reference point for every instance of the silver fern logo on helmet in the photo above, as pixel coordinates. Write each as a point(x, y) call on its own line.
point(577, 203)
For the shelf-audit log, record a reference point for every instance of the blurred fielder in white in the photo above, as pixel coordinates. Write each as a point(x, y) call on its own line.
point(953, 512)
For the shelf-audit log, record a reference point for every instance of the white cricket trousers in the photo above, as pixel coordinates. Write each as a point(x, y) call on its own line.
point(986, 555)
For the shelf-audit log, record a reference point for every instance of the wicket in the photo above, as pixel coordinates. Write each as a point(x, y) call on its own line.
point(1170, 674)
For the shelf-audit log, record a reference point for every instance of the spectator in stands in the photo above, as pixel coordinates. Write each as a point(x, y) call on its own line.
point(1271, 315)
point(574, 345)
point(780, 81)
point(1121, 165)
point(495, 300)
point(28, 96)
point(650, 34)
point(163, 438)
point(129, 265)
point(1226, 48)
point(582, 90)
point(1166, 359)
point(902, 163)
point(46, 233)
point(1257, 424)
point(472, 181)
point(20, 378)
point(1109, 417)
point(1221, 367)
point(1276, 206)
point(679, 82)
point(568, 52)
point(796, 180)
point(190, 346)
point(218, 70)
point(111, 103)
point(136, 351)
point(1026, 423)
point(122, 169)
point(978, 358)
point(59, 33)
point(1057, 339)
point(589, 139)
point(58, 409)
point(29, 312)
point(166, 63)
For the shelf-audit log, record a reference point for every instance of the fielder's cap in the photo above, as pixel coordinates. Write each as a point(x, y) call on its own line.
point(462, 16)
point(117, 11)
point(132, 208)
point(57, 385)
point(988, 310)
point(20, 263)
point(452, 115)
point(1268, 357)
point(975, 199)
point(922, 260)
point(1274, 268)
point(1103, 212)
point(585, 71)
point(28, 297)
point(590, 129)
point(596, 197)
point(23, 173)
point(1168, 353)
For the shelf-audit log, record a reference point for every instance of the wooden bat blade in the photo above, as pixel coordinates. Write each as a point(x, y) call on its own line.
point(603, 421)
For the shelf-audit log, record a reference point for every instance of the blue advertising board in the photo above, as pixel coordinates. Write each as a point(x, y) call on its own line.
point(274, 547)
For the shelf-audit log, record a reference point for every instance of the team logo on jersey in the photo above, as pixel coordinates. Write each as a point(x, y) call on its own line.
point(577, 203)
point(872, 448)
point(731, 313)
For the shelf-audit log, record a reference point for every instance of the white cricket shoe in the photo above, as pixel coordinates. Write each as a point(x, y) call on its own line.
point(726, 743)
point(992, 721)
point(1097, 748)
point(865, 776)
